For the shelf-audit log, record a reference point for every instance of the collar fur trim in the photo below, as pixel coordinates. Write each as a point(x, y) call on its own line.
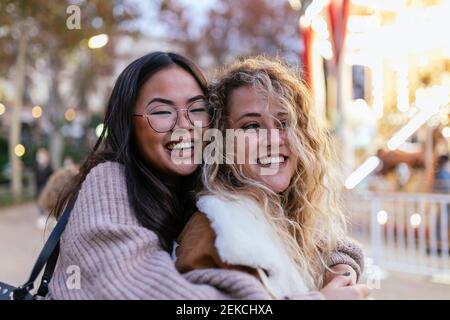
point(245, 237)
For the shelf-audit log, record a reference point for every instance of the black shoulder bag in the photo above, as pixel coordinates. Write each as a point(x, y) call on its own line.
point(48, 258)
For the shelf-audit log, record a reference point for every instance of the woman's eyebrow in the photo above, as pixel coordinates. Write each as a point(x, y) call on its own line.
point(162, 100)
point(250, 114)
point(170, 102)
point(282, 115)
point(195, 98)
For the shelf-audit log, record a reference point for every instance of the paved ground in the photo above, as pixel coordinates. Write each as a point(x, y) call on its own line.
point(21, 240)
point(403, 286)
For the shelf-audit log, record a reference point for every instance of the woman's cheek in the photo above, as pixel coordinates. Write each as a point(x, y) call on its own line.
point(251, 156)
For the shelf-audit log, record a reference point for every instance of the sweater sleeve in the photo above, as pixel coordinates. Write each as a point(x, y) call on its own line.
point(350, 253)
point(106, 254)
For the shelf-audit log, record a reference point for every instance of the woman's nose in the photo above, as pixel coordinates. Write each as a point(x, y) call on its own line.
point(275, 134)
point(183, 121)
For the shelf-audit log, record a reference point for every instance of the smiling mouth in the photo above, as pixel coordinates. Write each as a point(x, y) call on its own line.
point(181, 149)
point(279, 160)
point(180, 146)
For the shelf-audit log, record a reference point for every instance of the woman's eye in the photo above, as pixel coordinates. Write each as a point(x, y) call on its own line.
point(251, 126)
point(199, 110)
point(160, 113)
point(282, 124)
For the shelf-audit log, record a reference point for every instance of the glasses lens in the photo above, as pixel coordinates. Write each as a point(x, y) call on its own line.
point(162, 118)
point(200, 113)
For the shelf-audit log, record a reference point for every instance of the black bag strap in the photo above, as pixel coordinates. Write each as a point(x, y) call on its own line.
point(48, 272)
point(48, 257)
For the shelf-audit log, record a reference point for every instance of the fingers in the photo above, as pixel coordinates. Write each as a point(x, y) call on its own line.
point(355, 292)
point(358, 292)
point(341, 268)
point(363, 290)
point(339, 281)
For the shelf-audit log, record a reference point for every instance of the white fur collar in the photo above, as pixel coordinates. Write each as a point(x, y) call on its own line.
point(245, 237)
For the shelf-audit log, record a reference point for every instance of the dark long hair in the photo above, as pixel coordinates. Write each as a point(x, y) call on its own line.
point(156, 206)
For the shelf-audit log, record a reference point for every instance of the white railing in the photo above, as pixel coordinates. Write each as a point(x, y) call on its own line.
point(403, 231)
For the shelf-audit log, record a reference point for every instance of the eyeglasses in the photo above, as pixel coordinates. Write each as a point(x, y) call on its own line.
point(163, 118)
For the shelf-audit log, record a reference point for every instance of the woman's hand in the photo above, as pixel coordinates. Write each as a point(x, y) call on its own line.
point(338, 270)
point(341, 288)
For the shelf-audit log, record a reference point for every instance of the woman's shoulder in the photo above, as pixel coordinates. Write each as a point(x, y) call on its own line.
point(240, 223)
point(197, 226)
point(216, 206)
point(103, 195)
point(231, 217)
point(107, 169)
point(196, 249)
point(105, 177)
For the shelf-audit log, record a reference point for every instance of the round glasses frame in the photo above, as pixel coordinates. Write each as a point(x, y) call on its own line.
point(212, 113)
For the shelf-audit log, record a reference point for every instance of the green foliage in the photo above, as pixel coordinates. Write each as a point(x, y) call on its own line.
point(7, 199)
point(95, 120)
point(3, 157)
point(77, 150)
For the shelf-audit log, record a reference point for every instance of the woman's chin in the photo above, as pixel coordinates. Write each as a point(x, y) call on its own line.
point(277, 186)
point(184, 169)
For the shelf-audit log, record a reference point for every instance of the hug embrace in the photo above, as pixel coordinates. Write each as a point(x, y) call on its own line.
point(146, 225)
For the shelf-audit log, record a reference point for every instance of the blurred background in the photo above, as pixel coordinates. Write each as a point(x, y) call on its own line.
point(379, 71)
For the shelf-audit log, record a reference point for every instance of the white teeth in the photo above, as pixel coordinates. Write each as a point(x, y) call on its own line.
point(180, 145)
point(271, 160)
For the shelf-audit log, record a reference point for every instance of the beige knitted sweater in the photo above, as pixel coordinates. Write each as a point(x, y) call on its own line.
point(106, 254)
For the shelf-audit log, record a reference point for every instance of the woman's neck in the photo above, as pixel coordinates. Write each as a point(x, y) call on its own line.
point(170, 181)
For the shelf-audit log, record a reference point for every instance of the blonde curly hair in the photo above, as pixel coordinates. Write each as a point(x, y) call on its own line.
point(307, 215)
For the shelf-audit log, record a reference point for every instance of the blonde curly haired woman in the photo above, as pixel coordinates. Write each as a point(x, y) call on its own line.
point(283, 226)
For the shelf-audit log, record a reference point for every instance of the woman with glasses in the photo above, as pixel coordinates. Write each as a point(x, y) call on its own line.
point(134, 195)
